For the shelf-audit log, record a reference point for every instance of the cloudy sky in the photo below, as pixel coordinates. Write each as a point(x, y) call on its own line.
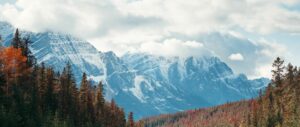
point(246, 34)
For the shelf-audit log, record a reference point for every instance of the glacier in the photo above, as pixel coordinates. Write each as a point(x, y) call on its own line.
point(139, 82)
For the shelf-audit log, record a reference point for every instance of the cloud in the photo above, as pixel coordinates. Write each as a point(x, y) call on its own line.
point(236, 57)
point(97, 18)
point(175, 27)
point(175, 47)
point(197, 16)
point(256, 54)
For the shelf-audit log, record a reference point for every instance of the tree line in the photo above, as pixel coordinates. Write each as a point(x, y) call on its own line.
point(33, 95)
point(278, 105)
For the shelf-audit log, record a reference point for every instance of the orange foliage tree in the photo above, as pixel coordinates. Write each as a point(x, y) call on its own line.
point(13, 65)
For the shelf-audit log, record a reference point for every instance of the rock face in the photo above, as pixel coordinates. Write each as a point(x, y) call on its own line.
point(142, 83)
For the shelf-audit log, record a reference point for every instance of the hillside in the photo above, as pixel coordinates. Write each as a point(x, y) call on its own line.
point(278, 106)
point(230, 114)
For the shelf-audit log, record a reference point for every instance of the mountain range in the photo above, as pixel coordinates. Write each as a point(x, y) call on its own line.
point(143, 83)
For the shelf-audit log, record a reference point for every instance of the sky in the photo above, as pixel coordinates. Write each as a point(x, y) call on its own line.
point(246, 34)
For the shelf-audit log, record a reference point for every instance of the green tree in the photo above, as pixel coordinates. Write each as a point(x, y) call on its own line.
point(16, 42)
point(277, 71)
point(290, 73)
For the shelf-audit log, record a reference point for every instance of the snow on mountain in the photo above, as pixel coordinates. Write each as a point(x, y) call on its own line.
point(5, 30)
point(142, 83)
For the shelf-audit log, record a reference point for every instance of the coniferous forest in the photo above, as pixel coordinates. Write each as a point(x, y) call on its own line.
point(33, 95)
point(276, 106)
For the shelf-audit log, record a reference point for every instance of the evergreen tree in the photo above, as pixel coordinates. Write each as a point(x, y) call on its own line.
point(130, 122)
point(90, 102)
point(99, 103)
point(277, 72)
point(42, 87)
point(290, 73)
point(49, 95)
point(27, 53)
point(83, 97)
point(16, 42)
point(34, 109)
point(68, 94)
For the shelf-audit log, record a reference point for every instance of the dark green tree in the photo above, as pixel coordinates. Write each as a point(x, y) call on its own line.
point(278, 71)
point(17, 41)
point(290, 73)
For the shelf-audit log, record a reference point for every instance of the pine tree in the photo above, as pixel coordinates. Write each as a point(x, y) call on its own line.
point(49, 95)
point(2, 78)
point(83, 97)
point(68, 94)
point(99, 103)
point(90, 102)
point(34, 109)
point(27, 53)
point(121, 117)
point(42, 86)
point(290, 73)
point(72, 92)
point(16, 42)
point(277, 72)
point(130, 120)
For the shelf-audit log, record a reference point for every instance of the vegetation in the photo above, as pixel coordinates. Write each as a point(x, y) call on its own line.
point(278, 106)
point(34, 95)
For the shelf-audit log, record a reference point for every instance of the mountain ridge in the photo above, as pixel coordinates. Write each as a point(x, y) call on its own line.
point(139, 81)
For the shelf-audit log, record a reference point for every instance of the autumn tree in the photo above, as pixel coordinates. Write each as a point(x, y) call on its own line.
point(12, 66)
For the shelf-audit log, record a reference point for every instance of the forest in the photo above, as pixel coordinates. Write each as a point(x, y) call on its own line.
point(276, 106)
point(33, 95)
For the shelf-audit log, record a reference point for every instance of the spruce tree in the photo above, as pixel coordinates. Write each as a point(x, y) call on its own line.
point(99, 103)
point(83, 97)
point(49, 95)
point(130, 119)
point(277, 72)
point(16, 42)
point(290, 73)
point(27, 53)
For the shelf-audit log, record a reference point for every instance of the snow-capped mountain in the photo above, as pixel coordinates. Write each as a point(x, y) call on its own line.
point(143, 83)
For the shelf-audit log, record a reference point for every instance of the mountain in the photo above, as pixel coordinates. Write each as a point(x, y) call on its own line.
point(143, 83)
point(277, 106)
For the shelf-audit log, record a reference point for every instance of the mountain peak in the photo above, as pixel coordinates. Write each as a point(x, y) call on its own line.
point(139, 81)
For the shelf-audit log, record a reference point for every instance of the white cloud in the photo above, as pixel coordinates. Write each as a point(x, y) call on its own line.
point(96, 18)
point(157, 26)
point(194, 16)
point(174, 47)
point(236, 57)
